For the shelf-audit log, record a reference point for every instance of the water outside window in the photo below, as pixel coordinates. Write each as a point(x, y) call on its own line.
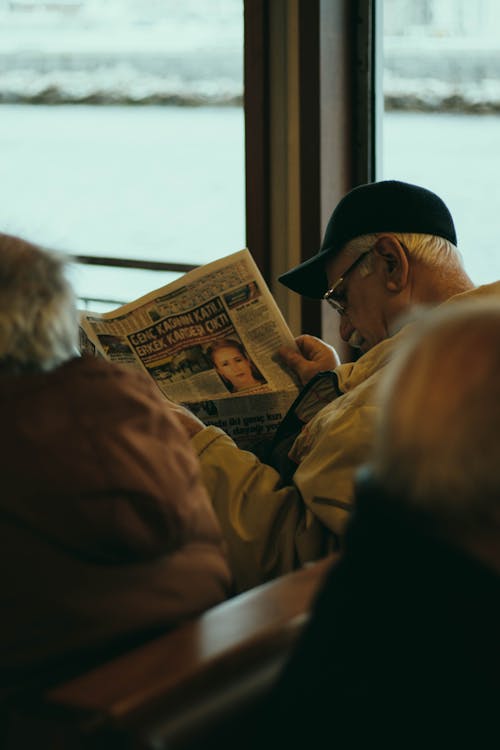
point(441, 122)
point(122, 133)
point(122, 129)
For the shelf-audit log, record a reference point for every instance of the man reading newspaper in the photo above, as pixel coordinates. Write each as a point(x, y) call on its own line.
point(387, 246)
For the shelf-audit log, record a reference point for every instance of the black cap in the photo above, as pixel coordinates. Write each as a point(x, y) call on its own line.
point(387, 206)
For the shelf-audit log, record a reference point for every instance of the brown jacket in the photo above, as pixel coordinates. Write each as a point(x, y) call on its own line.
point(106, 532)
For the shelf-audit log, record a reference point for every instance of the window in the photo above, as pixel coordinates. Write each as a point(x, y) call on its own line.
point(122, 134)
point(441, 121)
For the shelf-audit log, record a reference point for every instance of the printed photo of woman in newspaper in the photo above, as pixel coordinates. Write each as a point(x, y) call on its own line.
point(233, 365)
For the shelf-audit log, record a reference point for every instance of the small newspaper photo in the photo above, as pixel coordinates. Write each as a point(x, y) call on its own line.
point(210, 341)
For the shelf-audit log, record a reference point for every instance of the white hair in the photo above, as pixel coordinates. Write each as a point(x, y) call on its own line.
point(38, 315)
point(435, 252)
point(437, 447)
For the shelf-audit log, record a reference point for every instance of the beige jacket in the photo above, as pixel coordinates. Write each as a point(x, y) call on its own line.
point(271, 529)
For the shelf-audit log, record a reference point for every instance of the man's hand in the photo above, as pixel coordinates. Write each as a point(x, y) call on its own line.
point(191, 424)
point(313, 356)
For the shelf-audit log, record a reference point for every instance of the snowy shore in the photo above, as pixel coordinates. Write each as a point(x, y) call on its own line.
point(182, 59)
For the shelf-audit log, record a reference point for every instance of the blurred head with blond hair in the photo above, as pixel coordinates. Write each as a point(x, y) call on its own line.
point(38, 316)
point(437, 448)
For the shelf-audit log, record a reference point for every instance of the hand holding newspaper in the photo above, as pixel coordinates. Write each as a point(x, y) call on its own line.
point(209, 340)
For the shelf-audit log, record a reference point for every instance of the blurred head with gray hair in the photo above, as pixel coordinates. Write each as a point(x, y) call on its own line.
point(38, 316)
point(438, 446)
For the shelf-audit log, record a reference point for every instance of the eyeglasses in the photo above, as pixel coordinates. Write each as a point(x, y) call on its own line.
point(335, 298)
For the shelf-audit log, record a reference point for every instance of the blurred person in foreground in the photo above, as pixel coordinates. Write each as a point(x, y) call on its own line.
point(403, 646)
point(107, 535)
point(389, 246)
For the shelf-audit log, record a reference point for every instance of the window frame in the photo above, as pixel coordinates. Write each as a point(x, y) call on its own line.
point(310, 132)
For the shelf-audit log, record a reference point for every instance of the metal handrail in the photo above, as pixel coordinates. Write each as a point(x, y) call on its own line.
point(88, 301)
point(143, 265)
point(146, 265)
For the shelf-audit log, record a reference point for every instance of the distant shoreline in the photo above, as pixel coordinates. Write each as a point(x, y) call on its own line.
point(393, 102)
point(45, 67)
point(53, 97)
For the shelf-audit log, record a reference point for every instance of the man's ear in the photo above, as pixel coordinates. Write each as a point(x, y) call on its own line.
point(395, 264)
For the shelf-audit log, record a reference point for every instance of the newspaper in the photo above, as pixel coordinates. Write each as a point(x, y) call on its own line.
point(209, 340)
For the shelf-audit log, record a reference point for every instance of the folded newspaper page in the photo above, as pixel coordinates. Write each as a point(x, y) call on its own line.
point(209, 340)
